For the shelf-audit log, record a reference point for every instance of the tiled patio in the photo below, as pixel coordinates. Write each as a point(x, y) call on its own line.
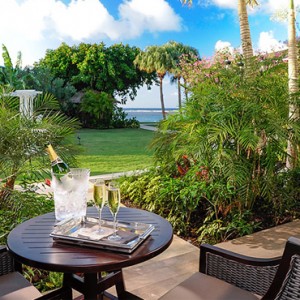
point(266, 243)
point(152, 279)
point(155, 277)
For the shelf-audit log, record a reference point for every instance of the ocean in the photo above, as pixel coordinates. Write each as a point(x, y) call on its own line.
point(145, 115)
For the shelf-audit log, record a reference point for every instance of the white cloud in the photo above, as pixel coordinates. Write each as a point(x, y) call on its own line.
point(32, 26)
point(271, 6)
point(225, 3)
point(267, 43)
point(228, 4)
point(81, 20)
point(265, 6)
point(155, 15)
point(220, 45)
point(219, 3)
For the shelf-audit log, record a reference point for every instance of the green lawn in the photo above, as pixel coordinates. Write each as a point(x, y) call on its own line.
point(115, 150)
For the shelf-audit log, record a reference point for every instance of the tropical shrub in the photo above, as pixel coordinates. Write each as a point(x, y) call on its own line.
point(231, 135)
point(21, 206)
point(120, 120)
point(98, 107)
point(100, 110)
point(41, 79)
point(98, 67)
point(23, 140)
point(23, 160)
point(11, 76)
point(284, 200)
point(174, 198)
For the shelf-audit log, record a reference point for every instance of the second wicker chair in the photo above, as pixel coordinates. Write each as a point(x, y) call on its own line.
point(224, 275)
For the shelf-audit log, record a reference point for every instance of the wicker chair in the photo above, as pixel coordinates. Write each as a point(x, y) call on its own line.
point(12, 284)
point(224, 275)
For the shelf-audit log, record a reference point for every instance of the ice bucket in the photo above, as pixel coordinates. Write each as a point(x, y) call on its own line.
point(70, 193)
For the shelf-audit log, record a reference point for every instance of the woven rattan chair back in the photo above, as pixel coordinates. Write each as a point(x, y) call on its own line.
point(291, 286)
point(258, 280)
point(286, 284)
point(6, 261)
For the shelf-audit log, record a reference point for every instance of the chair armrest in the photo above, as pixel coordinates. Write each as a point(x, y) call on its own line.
point(252, 274)
point(6, 261)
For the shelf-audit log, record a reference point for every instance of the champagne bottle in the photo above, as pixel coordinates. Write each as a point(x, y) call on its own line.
point(58, 166)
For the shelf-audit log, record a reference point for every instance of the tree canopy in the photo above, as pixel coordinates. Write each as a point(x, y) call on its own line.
point(97, 67)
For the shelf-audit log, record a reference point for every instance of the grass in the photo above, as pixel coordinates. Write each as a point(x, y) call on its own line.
point(115, 150)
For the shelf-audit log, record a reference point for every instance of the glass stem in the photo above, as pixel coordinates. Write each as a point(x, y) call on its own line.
point(115, 224)
point(100, 220)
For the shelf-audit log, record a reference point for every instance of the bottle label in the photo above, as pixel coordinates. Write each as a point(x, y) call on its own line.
point(52, 154)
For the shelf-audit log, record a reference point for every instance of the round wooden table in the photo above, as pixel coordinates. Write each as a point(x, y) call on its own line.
point(30, 244)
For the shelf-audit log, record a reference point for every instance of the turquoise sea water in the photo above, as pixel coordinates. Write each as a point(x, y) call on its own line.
point(147, 114)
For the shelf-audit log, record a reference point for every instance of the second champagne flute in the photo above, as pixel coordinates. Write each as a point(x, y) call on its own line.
point(113, 200)
point(99, 196)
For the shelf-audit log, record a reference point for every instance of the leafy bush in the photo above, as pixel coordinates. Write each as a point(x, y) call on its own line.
point(119, 119)
point(174, 198)
point(21, 206)
point(234, 225)
point(98, 109)
point(22, 160)
point(23, 139)
point(222, 157)
point(284, 201)
point(43, 280)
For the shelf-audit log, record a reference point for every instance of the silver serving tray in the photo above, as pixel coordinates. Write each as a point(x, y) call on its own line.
point(83, 232)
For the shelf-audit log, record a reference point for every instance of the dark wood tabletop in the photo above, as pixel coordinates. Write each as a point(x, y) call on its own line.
point(31, 244)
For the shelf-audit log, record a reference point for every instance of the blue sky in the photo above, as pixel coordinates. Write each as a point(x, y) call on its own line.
point(203, 25)
point(32, 26)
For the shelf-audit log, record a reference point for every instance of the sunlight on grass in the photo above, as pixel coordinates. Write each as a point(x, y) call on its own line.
point(115, 150)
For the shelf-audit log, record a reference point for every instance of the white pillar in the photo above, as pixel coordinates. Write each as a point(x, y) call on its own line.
point(26, 101)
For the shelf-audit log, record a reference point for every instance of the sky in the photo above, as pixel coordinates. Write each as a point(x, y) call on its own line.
point(33, 26)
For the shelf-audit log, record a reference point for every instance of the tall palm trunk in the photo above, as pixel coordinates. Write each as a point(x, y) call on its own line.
point(293, 84)
point(179, 92)
point(245, 32)
point(162, 96)
point(244, 25)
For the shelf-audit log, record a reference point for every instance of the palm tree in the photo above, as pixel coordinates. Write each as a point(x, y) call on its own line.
point(23, 140)
point(177, 50)
point(244, 26)
point(292, 82)
point(156, 59)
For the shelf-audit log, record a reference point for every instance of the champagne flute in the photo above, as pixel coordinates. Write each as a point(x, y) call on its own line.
point(113, 201)
point(99, 196)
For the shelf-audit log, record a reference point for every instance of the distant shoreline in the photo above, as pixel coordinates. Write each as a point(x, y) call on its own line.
point(147, 114)
point(147, 109)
